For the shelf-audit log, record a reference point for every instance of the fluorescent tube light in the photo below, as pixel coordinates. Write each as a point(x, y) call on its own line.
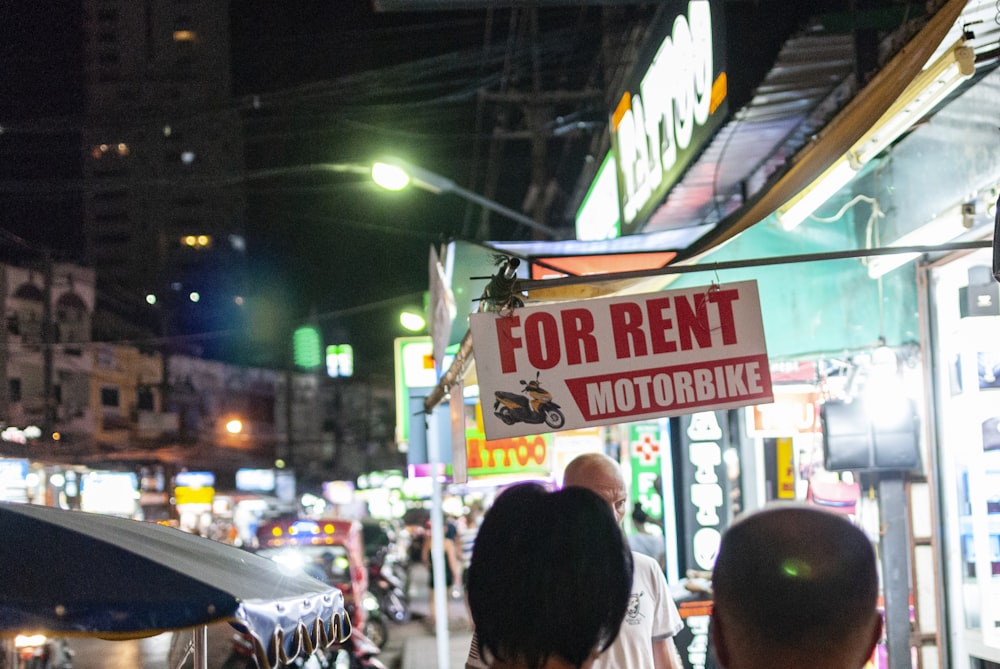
point(809, 199)
point(926, 91)
point(941, 230)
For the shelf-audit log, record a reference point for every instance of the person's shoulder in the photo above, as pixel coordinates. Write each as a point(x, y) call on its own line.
point(641, 558)
point(643, 564)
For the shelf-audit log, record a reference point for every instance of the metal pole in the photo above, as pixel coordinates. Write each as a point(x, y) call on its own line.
point(200, 658)
point(668, 512)
point(512, 214)
point(48, 344)
point(437, 545)
point(895, 569)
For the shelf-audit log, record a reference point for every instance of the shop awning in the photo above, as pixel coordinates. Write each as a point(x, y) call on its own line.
point(844, 131)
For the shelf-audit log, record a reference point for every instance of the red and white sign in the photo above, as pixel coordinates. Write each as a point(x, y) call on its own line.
point(621, 359)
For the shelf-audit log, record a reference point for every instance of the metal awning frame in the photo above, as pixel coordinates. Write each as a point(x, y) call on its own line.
point(809, 164)
point(463, 360)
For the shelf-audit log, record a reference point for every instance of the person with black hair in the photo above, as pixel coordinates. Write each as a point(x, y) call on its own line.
point(795, 587)
point(646, 638)
point(530, 609)
point(644, 541)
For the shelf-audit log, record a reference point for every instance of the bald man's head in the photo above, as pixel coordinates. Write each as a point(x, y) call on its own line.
point(601, 474)
point(796, 582)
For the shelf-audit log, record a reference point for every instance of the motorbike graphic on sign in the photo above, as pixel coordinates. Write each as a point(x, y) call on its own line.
point(516, 408)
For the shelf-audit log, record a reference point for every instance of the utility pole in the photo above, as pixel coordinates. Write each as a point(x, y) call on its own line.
point(4, 382)
point(48, 343)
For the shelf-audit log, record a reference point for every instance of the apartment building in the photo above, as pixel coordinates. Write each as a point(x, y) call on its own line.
point(164, 207)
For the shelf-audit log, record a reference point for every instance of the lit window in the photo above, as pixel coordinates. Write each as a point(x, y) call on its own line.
point(187, 157)
point(184, 35)
point(167, 130)
point(122, 149)
point(238, 300)
point(194, 296)
point(150, 299)
point(197, 241)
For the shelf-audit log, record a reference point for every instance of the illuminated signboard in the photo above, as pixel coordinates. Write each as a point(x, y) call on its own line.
point(414, 370)
point(194, 479)
point(522, 456)
point(669, 112)
point(194, 488)
point(704, 485)
point(255, 480)
point(598, 216)
point(340, 361)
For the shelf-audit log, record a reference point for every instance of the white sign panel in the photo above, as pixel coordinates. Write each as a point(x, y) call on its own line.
point(620, 359)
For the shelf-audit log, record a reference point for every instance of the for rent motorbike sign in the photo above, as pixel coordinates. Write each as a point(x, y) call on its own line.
point(610, 360)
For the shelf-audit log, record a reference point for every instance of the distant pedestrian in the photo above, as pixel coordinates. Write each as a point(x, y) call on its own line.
point(468, 528)
point(529, 609)
point(643, 541)
point(795, 587)
point(452, 566)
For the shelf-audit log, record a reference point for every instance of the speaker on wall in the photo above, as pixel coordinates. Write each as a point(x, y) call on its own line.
point(855, 441)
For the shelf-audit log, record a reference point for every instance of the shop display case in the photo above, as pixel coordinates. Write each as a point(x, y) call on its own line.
point(967, 383)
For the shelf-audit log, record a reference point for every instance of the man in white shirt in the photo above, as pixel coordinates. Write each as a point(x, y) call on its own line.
point(651, 622)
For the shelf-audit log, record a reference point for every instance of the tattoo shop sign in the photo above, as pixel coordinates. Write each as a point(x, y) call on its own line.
point(620, 359)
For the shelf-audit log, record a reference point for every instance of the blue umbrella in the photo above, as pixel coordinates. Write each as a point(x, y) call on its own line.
point(72, 573)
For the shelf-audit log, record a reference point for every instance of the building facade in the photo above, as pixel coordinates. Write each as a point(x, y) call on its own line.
point(163, 211)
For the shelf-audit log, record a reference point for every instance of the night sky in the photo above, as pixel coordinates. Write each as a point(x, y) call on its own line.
point(320, 81)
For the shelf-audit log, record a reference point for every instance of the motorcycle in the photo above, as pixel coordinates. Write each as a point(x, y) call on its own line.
point(375, 627)
point(37, 651)
point(388, 589)
point(358, 652)
point(516, 408)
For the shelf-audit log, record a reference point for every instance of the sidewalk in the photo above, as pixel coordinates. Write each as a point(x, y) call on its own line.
point(420, 650)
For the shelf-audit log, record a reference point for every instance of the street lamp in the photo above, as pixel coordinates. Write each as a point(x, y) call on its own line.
point(412, 320)
point(394, 174)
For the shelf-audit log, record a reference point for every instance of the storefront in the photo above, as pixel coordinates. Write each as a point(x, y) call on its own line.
point(965, 376)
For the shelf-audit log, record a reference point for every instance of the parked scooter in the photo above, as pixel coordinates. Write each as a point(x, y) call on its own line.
point(516, 408)
point(375, 627)
point(388, 589)
point(37, 651)
point(358, 652)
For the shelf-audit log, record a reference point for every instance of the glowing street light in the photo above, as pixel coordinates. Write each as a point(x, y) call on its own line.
point(394, 174)
point(412, 321)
